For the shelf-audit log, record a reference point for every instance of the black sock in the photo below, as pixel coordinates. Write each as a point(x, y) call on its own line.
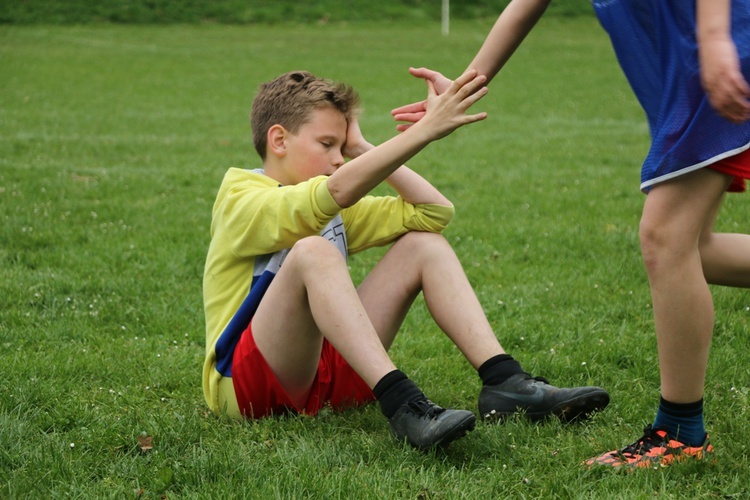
point(394, 390)
point(498, 369)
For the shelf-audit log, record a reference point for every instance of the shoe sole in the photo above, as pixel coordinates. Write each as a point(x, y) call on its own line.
point(579, 408)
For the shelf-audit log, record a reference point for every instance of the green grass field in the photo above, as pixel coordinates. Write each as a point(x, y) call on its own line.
point(113, 142)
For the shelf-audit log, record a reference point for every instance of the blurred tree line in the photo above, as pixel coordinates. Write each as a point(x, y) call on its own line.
point(255, 11)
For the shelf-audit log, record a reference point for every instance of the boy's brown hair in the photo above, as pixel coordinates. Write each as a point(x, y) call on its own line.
point(289, 99)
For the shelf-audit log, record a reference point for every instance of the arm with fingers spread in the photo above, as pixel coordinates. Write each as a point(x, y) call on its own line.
point(444, 114)
point(510, 29)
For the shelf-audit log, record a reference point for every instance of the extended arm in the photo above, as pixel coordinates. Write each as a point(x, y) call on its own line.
point(510, 29)
point(411, 186)
point(727, 90)
point(372, 165)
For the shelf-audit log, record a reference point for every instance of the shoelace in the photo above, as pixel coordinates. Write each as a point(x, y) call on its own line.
point(651, 439)
point(425, 408)
point(538, 379)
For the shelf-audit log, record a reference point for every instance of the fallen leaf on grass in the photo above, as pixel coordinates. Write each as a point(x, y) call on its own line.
point(145, 443)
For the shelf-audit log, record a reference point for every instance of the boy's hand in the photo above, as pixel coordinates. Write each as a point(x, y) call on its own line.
point(414, 112)
point(445, 112)
point(355, 142)
point(726, 88)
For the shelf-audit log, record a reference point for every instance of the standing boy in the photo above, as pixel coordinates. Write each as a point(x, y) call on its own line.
point(688, 62)
point(287, 330)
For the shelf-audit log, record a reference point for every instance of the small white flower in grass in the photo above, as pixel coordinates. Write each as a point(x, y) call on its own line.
point(596, 285)
point(521, 338)
point(72, 445)
point(552, 351)
point(158, 355)
point(163, 399)
point(583, 363)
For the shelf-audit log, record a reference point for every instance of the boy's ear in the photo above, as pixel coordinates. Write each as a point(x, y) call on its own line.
point(276, 139)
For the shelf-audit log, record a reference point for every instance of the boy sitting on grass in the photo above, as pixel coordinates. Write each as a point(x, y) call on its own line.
point(288, 331)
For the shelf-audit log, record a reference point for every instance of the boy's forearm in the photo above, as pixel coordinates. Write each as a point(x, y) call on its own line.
point(510, 29)
point(414, 188)
point(712, 19)
point(359, 176)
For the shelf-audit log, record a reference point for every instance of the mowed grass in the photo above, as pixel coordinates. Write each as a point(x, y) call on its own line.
point(113, 142)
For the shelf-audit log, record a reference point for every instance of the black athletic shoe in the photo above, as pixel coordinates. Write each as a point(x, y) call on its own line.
point(538, 399)
point(424, 424)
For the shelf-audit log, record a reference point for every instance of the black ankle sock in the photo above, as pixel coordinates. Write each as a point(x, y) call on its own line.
point(498, 369)
point(395, 389)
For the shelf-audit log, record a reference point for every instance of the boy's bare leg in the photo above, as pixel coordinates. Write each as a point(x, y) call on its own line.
point(313, 296)
point(675, 216)
point(426, 262)
point(725, 256)
point(681, 252)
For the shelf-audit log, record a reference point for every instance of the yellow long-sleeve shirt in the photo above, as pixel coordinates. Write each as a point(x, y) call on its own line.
point(255, 223)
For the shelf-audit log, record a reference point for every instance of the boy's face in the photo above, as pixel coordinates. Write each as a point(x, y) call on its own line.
point(316, 148)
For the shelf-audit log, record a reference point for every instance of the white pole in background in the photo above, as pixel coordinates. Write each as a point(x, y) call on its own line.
point(446, 16)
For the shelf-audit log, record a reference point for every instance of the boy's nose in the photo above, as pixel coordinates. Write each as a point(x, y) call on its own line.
point(338, 160)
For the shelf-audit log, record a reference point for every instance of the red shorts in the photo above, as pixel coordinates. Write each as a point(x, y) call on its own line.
point(259, 393)
point(738, 166)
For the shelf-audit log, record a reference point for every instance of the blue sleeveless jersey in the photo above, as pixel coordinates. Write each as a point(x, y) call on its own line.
point(655, 43)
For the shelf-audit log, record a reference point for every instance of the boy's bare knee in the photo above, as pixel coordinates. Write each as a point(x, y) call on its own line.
point(314, 250)
point(663, 245)
point(652, 245)
point(423, 240)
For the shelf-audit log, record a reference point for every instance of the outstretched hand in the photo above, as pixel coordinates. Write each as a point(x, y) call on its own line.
point(446, 111)
point(726, 88)
point(414, 112)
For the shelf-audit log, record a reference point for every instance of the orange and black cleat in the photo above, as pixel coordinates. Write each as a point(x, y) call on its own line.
point(654, 449)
